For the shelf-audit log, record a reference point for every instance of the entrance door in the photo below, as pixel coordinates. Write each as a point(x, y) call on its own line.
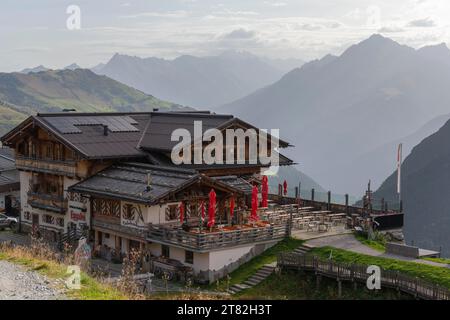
point(8, 205)
point(35, 223)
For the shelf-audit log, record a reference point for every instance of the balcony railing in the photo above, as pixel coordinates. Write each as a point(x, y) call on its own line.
point(54, 203)
point(67, 168)
point(206, 241)
point(136, 232)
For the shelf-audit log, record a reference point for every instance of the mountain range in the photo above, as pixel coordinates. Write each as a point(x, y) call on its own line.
point(200, 82)
point(80, 89)
point(344, 112)
point(425, 185)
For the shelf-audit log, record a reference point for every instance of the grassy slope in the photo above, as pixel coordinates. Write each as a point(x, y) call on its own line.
point(374, 244)
point(434, 274)
point(438, 260)
point(51, 91)
point(294, 285)
point(247, 269)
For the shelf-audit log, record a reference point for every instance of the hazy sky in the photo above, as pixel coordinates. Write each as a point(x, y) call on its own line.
point(34, 32)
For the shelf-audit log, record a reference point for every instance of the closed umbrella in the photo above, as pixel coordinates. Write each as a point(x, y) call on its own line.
point(212, 209)
point(231, 208)
point(181, 212)
point(265, 192)
point(254, 215)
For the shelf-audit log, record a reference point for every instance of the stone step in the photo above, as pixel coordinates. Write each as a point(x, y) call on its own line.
point(234, 289)
point(242, 286)
point(252, 283)
point(258, 277)
point(264, 271)
point(267, 268)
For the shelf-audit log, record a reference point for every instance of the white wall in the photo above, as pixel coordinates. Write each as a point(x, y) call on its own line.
point(222, 258)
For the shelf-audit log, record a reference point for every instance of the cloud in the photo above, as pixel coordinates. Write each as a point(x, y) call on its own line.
point(309, 27)
point(168, 14)
point(425, 23)
point(239, 34)
point(390, 29)
point(276, 4)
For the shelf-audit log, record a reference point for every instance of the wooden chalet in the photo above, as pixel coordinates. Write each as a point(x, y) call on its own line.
point(109, 176)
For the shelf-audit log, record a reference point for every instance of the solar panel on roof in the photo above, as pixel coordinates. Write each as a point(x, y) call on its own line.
point(72, 124)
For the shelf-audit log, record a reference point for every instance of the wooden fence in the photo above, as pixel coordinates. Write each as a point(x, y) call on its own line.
point(417, 287)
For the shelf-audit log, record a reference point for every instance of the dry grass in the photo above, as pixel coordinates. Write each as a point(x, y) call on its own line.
point(40, 257)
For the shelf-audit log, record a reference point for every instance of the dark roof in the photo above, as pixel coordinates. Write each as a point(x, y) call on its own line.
point(9, 176)
point(6, 158)
point(9, 180)
point(128, 181)
point(86, 132)
point(236, 182)
point(129, 135)
point(160, 128)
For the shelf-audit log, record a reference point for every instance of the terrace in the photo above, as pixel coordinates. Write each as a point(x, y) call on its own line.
point(222, 236)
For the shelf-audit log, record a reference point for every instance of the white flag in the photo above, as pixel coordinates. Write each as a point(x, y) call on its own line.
point(399, 166)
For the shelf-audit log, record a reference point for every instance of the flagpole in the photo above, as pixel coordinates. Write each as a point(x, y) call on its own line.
point(399, 170)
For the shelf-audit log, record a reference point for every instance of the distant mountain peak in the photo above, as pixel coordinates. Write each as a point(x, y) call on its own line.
point(72, 66)
point(439, 52)
point(35, 69)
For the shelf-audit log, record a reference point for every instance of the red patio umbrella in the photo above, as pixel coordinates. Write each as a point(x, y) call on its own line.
point(232, 208)
point(212, 209)
point(254, 215)
point(181, 212)
point(285, 187)
point(265, 192)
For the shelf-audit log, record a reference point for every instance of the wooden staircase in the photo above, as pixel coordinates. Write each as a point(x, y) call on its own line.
point(303, 249)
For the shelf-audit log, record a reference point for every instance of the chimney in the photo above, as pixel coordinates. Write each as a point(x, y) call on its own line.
point(149, 181)
point(105, 130)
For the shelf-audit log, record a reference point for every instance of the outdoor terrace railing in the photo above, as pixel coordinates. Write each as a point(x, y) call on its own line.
point(203, 241)
point(353, 272)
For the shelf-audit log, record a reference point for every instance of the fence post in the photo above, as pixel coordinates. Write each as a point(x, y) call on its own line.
point(346, 204)
point(329, 200)
point(299, 189)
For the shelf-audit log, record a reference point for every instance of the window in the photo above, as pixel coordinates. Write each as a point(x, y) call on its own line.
point(27, 215)
point(60, 222)
point(189, 257)
point(165, 251)
point(106, 235)
point(172, 212)
point(48, 219)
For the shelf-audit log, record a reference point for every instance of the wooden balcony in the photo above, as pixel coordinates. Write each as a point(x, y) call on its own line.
point(208, 241)
point(66, 168)
point(47, 202)
point(116, 228)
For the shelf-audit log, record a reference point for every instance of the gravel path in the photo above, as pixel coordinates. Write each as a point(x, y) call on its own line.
point(17, 283)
